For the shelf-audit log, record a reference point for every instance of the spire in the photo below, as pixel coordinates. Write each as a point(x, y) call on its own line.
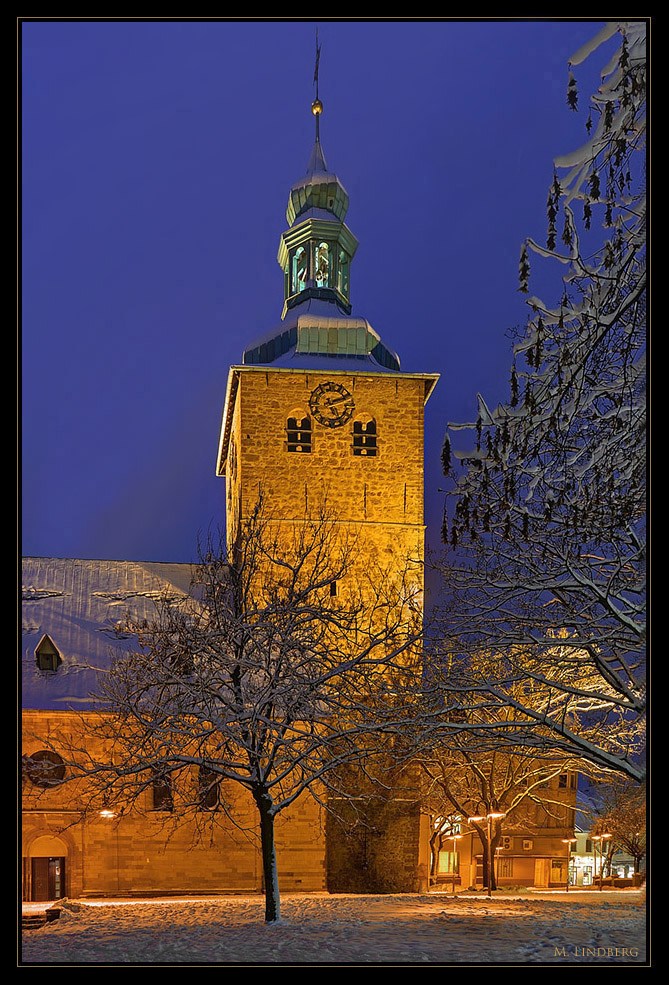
point(317, 159)
point(315, 254)
point(318, 188)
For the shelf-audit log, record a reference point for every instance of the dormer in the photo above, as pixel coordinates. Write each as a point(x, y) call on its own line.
point(47, 655)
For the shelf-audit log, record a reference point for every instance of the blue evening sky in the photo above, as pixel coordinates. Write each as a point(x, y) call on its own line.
point(156, 163)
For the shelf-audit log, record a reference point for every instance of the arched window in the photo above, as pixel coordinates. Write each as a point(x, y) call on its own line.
point(322, 265)
point(181, 660)
point(364, 438)
point(208, 781)
point(298, 434)
point(298, 280)
point(44, 768)
point(161, 785)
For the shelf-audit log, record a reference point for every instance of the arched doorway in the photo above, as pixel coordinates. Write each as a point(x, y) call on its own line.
point(47, 868)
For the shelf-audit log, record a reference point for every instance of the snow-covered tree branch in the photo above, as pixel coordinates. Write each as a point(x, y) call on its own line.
point(547, 538)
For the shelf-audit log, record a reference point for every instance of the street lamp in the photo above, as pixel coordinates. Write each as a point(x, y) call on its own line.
point(595, 839)
point(568, 842)
point(492, 816)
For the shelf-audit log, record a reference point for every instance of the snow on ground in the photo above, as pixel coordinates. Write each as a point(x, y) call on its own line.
point(586, 927)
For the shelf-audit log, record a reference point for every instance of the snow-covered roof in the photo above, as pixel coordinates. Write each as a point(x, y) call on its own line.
point(317, 331)
point(78, 604)
point(318, 188)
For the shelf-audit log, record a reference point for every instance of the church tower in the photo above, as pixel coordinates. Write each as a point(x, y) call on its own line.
point(319, 407)
point(320, 412)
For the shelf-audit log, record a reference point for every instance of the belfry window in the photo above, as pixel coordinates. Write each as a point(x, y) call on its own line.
point(47, 656)
point(342, 273)
point(298, 432)
point(161, 786)
point(298, 278)
point(322, 265)
point(364, 438)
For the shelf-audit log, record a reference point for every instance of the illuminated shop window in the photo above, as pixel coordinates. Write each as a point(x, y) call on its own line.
point(449, 862)
point(364, 438)
point(298, 433)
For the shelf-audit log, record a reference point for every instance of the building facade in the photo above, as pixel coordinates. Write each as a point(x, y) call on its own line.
point(534, 845)
point(71, 612)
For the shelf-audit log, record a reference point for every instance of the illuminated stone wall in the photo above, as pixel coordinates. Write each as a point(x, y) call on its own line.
point(154, 852)
point(380, 497)
point(383, 489)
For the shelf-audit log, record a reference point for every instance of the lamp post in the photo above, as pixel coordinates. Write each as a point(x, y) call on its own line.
point(601, 838)
point(595, 839)
point(492, 816)
point(568, 842)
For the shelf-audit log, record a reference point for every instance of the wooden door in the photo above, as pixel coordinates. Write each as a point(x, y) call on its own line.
point(47, 879)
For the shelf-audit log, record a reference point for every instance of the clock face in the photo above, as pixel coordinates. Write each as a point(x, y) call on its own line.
point(331, 404)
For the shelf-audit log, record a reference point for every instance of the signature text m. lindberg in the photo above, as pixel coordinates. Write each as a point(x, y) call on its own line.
point(597, 952)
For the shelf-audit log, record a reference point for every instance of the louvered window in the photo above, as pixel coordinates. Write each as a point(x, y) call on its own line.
point(298, 432)
point(364, 438)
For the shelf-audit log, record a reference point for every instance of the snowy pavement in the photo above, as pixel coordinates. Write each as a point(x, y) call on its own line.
point(586, 927)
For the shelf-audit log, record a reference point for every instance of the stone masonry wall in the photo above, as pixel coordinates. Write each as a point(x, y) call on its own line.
point(153, 852)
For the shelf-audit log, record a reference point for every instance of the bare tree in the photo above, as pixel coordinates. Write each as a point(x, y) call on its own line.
point(473, 764)
point(547, 538)
point(275, 676)
point(474, 783)
point(621, 812)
